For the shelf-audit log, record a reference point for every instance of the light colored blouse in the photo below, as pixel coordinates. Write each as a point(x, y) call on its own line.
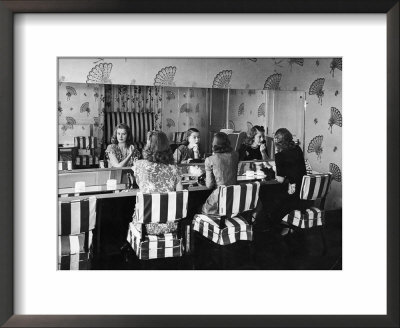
point(156, 177)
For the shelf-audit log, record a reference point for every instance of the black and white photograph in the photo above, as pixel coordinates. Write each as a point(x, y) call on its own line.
point(178, 163)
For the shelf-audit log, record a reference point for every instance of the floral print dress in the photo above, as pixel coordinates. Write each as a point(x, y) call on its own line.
point(156, 177)
point(121, 155)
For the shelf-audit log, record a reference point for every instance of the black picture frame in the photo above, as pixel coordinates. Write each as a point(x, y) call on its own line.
point(7, 11)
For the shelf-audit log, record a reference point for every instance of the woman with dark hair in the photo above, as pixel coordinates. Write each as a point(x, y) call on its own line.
point(121, 151)
point(290, 169)
point(190, 149)
point(254, 146)
point(156, 172)
point(221, 169)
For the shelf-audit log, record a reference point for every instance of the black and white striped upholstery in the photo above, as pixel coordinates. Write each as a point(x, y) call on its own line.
point(158, 208)
point(311, 217)
point(74, 251)
point(77, 216)
point(76, 221)
point(85, 142)
point(161, 207)
point(237, 199)
point(154, 247)
point(313, 187)
point(229, 226)
point(235, 229)
point(179, 137)
point(140, 124)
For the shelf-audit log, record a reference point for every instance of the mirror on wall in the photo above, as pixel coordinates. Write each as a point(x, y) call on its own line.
point(88, 113)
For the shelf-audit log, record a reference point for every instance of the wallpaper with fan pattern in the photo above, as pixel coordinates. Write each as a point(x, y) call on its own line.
point(320, 78)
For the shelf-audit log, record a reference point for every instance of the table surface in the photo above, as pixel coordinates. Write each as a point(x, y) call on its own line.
point(121, 191)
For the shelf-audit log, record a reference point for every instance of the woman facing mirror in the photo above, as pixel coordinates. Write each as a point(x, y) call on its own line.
point(121, 152)
point(190, 149)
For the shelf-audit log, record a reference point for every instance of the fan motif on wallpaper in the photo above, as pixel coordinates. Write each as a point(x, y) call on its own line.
point(297, 61)
point(335, 119)
point(222, 79)
point(85, 108)
point(170, 95)
point(249, 126)
point(165, 77)
point(191, 122)
point(70, 121)
point(241, 109)
point(261, 110)
point(336, 173)
point(272, 82)
point(170, 123)
point(316, 88)
point(315, 146)
point(70, 92)
point(197, 110)
point(231, 125)
point(100, 73)
point(186, 108)
point(336, 63)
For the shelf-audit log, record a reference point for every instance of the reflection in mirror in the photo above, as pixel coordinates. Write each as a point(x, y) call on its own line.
point(89, 113)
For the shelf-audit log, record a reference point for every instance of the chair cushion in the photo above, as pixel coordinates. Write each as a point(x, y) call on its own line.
point(81, 243)
point(79, 261)
point(236, 229)
point(154, 247)
point(309, 218)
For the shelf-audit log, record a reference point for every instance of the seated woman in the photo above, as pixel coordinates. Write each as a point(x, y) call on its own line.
point(121, 151)
point(221, 169)
point(156, 172)
point(290, 169)
point(190, 149)
point(254, 146)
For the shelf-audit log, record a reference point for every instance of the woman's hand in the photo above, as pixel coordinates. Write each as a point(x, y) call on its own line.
point(263, 147)
point(131, 150)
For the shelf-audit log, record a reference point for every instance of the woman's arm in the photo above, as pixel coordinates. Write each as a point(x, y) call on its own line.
point(114, 161)
point(263, 150)
point(210, 180)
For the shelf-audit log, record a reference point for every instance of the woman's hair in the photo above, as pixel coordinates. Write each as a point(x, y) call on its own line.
point(253, 131)
point(221, 143)
point(129, 137)
point(188, 134)
point(283, 139)
point(157, 148)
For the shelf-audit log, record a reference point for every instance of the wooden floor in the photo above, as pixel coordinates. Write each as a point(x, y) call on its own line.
point(268, 251)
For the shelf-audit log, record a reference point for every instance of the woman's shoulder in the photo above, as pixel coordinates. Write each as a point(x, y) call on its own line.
point(111, 147)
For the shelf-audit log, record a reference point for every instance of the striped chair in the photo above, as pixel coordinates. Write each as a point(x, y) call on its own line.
point(229, 226)
point(179, 137)
point(158, 208)
point(314, 187)
point(140, 124)
point(76, 221)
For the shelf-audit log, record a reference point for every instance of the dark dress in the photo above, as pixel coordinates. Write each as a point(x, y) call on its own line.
point(290, 165)
point(248, 153)
point(183, 153)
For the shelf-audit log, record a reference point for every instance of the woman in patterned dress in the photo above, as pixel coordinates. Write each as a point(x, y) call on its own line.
point(121, 151)
point(156, 172)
